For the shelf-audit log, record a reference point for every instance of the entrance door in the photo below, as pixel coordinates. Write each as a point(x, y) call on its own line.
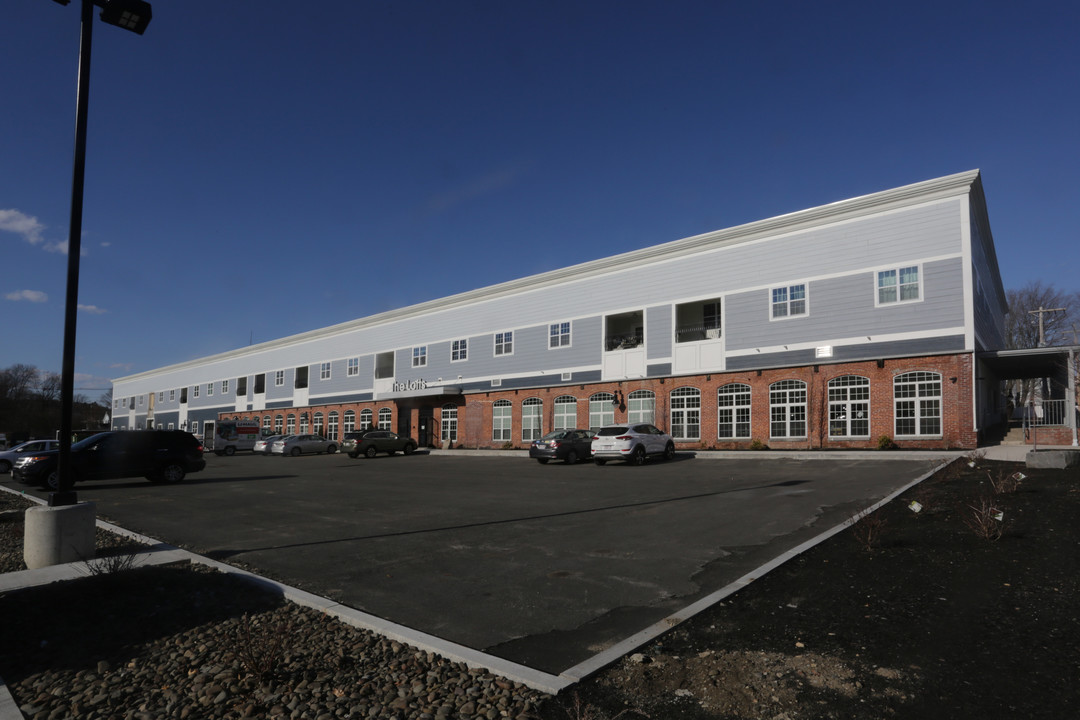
point(423, 430)
point(208, 435)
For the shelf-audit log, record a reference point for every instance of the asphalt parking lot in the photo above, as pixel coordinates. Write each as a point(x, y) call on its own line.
point(541, 565)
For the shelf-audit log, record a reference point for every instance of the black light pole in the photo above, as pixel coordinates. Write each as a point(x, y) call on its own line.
point(131, 15)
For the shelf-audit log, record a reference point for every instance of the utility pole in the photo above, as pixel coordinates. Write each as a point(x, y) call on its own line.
point(1041, 312)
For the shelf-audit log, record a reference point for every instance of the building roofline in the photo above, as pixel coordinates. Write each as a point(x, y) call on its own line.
point(908, 195)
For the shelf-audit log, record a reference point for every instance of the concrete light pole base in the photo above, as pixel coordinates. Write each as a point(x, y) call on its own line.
point(58, 535)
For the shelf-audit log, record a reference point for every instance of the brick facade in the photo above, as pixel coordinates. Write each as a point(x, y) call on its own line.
point(474, 411)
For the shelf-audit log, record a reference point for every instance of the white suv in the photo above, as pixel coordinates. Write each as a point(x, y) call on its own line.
point(633, 443)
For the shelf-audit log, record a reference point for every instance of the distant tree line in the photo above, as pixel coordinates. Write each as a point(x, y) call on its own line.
point(30, 405)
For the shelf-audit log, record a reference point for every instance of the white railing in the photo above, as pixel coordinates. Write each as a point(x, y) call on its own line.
point(1047, 412)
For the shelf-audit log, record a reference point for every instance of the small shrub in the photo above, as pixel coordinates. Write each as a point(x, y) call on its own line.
point(975, 457)
point(756, 444)
point(984, 519)
point(110, 564)
point(885, 443)
point(261, 647)
point(869, 529)
point(508, 445)
point(1003, 481)
point(587, 711)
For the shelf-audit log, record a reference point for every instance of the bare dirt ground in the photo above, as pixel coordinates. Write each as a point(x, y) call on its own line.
point(948, 612)
point(968, 608)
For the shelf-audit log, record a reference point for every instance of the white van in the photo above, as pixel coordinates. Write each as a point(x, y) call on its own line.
point(232, 435)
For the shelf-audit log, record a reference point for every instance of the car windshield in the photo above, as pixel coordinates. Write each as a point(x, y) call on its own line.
point(87, 442)
point(608, 431)
point(556, 435)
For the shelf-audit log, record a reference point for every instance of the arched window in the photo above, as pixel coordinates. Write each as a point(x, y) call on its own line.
point(601, 410)
point(565, 413)
point(349, 421)
point(318, 428)
point(501, 421)
point(787, 409)
point(448, 422)
point(849, 406)
point(386, 417)
point(290, 424)
point(332, 425)
point(365, 419)
point(686, 413)
point(303, 423)
point(641, 406)
point(532, 424)
point(917, 403)
point(277, 424)
point(733, 412)
point(266, 424)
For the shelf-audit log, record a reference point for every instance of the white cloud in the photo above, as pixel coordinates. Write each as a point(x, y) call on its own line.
point(92, 309)
point(29, 295)
point(22, 224)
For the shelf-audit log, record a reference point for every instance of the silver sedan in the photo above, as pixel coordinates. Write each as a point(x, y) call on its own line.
point(294, 445)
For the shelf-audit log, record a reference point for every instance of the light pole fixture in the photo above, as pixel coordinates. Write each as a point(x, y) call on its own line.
point(133, 15)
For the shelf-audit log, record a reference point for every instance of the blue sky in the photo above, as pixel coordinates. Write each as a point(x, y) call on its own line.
point(259, 168)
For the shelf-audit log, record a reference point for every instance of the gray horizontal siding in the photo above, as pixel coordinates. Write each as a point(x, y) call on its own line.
point(844, 307)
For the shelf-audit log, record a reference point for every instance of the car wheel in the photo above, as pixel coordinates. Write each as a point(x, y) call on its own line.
point(571, 458)
point(295, 451)
point(669, 452)
point(230, 451)
point(542, 461)
point(5, 466)
point(599, 461)
point(638, 456)
point(409, 449)
point(354, 455)
point(331, 450)
point(371, 451)
point(172, 473)
point(52, 480)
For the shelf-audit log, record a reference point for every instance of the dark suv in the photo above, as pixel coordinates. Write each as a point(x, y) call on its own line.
point(161, 456)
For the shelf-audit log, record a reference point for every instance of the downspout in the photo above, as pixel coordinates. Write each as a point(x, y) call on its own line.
point(1072, 393)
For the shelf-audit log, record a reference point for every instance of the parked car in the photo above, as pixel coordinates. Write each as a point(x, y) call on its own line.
point(262, 445)
point(370, 443)
point(8, 457)
point(633, 443)
point(566, 445)
point(158, 455)
point(300, 444)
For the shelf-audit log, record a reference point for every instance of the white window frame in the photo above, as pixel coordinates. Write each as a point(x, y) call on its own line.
point(849, 402)
point(641, 407)
point(787, 409)
point(279, 378)
point(734, 411)
point(560, 335)
point(172, 395)
point(324, 371)
point(195, 391)
point(459, 350)
point(352, 367)
point(224, 387)
point(898, 287)
point(209, 391)
point(923, 405)
point(791, 307)
point(559, 418)
point(348, 421)
point(504, 343)
point(601, 410)
point(419, 356)
point(386, 418)
point(367, 419)
point(502, 421)
point(685, 413)
point(448, 422)
point(532, 420)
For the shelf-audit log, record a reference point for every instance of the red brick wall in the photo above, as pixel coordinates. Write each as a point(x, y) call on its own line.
point(957, 409)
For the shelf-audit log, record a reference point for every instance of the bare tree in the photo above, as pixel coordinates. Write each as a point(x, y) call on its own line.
point(1022, 322)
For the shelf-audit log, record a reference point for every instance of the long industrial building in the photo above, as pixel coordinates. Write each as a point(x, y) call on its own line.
point(832, 327)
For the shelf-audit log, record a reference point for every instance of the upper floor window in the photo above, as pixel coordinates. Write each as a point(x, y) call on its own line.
point(624, 331)
point(698, 320)
point(324, 371)
point(789, 301)
point(898, 285)
point(209, 389)
point(224, 387)
point(279, 378)
point(352, 367)
point(504, 343)
point(419, 356)
point(172, 395)
point(459, 351)
point(558, 336)
point(195, 391)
